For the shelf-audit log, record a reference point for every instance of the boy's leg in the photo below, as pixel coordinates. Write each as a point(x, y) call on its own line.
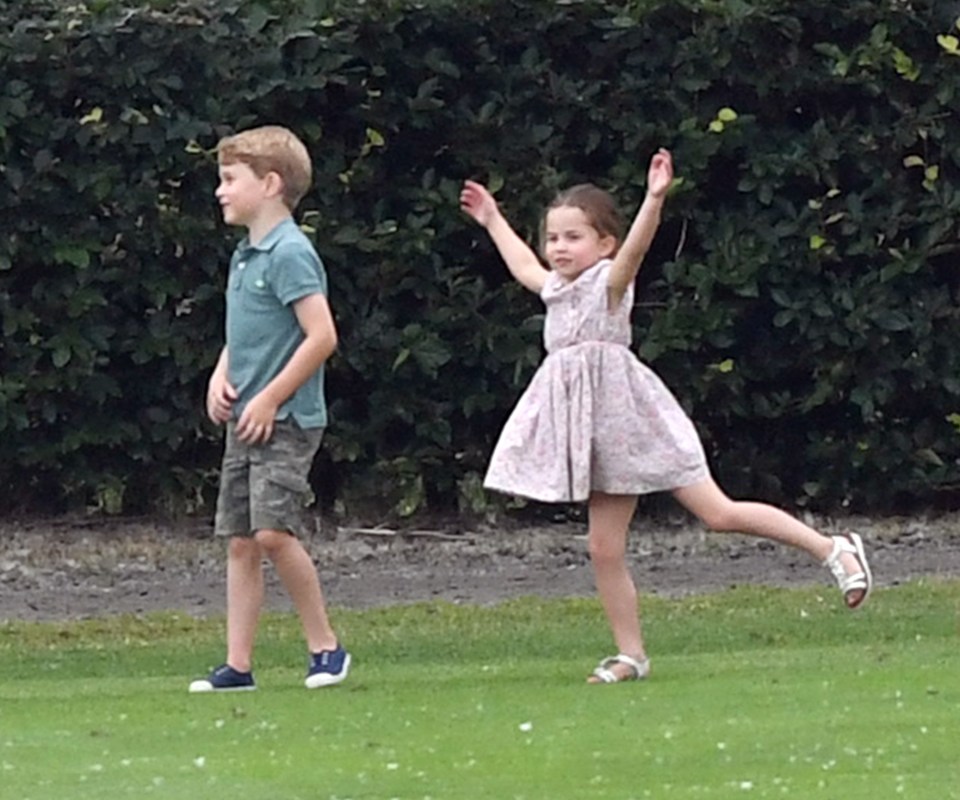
point(244, 600)
point(278, 489)
point(244, 570)
point(299, 577)
point(610, 517)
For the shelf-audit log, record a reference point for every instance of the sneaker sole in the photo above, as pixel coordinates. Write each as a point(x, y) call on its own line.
point(205, 687)
point(322, 679)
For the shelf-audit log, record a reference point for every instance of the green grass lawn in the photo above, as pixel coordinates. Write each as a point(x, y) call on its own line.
point(755, 693)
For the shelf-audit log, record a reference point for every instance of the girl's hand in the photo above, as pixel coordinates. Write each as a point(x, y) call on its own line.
point(476, 201)
point(660, 174)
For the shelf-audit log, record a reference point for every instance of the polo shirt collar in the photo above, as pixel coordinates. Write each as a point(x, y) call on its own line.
point(271, 240)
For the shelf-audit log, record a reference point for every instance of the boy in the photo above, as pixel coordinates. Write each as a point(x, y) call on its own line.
point(267, 388)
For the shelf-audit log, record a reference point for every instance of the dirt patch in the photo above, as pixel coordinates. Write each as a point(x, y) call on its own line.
point(69, 568)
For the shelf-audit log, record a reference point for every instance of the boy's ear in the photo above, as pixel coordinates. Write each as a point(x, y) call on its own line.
point(274, 183)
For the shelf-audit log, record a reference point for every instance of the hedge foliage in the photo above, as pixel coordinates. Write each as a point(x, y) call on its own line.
point(801, 297)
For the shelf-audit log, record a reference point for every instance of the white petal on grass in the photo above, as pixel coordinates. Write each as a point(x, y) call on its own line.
point(526, 727)
point(200, 762)
point(746, 785)
point(393, 765)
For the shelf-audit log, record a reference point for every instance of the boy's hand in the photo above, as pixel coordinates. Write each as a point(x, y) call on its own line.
point(476, 201)
point(220, 398)
point(660, 174)
point(255, 425)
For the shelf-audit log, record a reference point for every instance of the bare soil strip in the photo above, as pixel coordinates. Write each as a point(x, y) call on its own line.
point(72, 568)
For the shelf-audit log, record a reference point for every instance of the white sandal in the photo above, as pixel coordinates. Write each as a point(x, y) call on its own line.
point(854, 581)
point(639, 669)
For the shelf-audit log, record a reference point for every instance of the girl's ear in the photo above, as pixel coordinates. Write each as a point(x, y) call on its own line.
point(608, 246)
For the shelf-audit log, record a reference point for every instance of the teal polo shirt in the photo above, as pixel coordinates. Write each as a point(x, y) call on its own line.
point(262, 329)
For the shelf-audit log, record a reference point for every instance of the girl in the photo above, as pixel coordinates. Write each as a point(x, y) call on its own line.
point(596, 424)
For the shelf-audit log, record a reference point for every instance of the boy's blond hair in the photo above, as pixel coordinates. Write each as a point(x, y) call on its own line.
point(271, 148)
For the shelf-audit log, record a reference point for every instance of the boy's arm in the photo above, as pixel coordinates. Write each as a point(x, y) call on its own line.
point(520, 259)
point(629, 258)
point(220, 393)
point(319, 343)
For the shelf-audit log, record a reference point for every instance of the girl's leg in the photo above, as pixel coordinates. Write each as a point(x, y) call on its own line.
point(719, 513)
point(299, 577)
point(609, 519)
point(244, 600)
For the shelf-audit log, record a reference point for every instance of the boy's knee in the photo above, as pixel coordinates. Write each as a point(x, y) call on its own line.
point(243, 547)
point(271, 541)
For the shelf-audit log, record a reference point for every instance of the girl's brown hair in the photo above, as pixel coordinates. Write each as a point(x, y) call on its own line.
point(596, 203)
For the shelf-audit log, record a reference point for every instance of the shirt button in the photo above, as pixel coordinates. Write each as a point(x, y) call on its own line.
point(241, 265)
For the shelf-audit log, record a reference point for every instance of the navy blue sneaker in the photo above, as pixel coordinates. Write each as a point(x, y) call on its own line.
point(327, 668)
point(225, 679)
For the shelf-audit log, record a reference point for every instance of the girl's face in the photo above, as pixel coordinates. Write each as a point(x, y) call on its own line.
point(571, 243)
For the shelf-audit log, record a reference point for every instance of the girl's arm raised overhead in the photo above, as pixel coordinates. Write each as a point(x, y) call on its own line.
point(626, 264)
point(523, 263)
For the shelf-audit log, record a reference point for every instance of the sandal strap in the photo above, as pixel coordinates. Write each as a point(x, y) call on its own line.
point(853, 581)
point(640, 668)
point(605, 675)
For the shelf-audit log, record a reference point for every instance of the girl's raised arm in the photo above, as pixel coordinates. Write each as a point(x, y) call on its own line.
point(629, 258)
point(520, 259)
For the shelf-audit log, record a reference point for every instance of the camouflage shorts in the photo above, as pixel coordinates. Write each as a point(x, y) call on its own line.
point(264, 486)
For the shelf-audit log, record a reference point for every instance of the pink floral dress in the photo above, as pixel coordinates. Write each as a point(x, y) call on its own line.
point(594, 417)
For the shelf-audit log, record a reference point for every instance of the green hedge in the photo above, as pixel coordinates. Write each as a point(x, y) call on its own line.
point(801, 298)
